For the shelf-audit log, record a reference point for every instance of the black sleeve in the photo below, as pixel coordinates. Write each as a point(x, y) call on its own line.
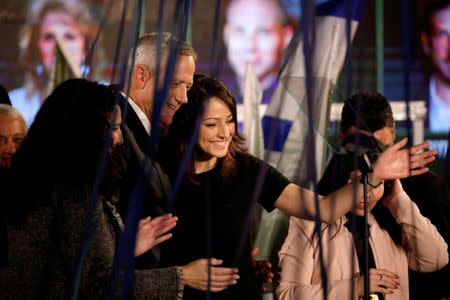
point(336, 174)
point(268, 180)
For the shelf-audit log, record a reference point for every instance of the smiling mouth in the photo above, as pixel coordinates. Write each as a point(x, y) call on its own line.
point(219, 143)
point(172, 106)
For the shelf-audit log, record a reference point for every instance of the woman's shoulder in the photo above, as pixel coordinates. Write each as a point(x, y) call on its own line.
point(246, 159)
point(252, 166)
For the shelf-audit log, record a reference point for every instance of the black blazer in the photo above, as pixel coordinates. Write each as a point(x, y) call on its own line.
point(142, 166)
point(144, 177)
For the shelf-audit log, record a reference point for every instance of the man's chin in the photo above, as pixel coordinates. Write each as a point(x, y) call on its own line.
point(166, 120)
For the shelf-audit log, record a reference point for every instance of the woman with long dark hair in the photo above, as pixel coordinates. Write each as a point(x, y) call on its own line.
point(61, 198)
point(399, 238)
point(221, 183)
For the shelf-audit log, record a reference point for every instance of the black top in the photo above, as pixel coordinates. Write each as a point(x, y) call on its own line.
point(355, 225)
point(214, 220)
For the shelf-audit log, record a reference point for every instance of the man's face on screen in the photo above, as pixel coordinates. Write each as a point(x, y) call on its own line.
point(439, 43)
point(253, 34)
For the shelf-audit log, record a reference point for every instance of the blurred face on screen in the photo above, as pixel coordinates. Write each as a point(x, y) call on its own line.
point(254, 34)
point(437, 46)
point(60, 24)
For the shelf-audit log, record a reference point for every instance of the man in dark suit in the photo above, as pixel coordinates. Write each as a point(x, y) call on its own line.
point(139, 95)
point(371, 114)
point(139, 104)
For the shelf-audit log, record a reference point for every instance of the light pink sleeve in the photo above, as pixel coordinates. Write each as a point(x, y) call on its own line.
point(427, 249)
point(299, 262)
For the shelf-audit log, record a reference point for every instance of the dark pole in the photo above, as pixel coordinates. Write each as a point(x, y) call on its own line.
point(365, 166)
point(366, 238)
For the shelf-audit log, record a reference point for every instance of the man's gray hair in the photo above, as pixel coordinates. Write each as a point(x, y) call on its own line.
point(8, 110)
point(147, 46)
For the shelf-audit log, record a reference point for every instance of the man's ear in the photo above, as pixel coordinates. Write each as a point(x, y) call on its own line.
point(425, 43)
point(141, 75)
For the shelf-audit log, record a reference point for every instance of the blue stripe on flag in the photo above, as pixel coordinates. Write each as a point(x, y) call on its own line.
point(240, 126)
point(337, 8)
point(280, 129)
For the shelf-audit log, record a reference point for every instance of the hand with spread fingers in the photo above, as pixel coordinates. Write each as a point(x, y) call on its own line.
point(152, 231)
point(397, 163)
point(380, 281)
point(195, 275)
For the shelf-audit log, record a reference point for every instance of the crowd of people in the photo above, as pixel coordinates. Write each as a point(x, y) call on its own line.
point(114, 192)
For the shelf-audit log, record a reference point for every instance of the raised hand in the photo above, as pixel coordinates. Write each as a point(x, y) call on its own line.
point(195, 275)
point(151, 232)
point(380, 281)
point(397, 163)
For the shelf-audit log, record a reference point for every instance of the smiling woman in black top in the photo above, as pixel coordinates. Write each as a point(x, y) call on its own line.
point(222, 182)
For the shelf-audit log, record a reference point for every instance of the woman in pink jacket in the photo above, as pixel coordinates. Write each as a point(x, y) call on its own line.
point(415, 244)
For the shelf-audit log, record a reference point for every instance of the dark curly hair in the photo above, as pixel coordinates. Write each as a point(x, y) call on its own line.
point(184, 127)
point(367, 111)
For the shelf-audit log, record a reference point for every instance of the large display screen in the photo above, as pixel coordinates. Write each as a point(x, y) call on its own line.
point(227, 38)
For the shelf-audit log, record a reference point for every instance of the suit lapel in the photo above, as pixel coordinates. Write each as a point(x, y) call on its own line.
point(138, 130)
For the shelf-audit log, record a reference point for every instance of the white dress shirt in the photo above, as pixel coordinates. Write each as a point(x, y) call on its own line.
point(141, 115)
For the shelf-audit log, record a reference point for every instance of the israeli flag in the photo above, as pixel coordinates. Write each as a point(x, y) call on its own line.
point(285, 122)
